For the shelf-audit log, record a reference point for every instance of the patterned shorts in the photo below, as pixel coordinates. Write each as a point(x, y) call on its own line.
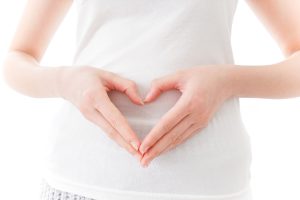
point(50, 193)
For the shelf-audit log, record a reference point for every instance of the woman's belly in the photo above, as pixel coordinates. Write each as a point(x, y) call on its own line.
point(216, 160)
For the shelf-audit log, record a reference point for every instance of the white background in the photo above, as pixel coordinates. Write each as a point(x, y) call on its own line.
point(272, 124)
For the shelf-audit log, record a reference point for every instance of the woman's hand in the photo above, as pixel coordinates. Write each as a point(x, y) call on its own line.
point(203, 89)
point(86, 87)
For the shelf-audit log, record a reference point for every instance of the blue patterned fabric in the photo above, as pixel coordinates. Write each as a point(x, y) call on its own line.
point(50, 193)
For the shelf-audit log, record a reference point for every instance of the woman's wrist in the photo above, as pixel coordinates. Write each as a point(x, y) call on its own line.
point(280, 80)
point(231, 81)
point(47, 80)
point(227, 81)
point(61, 79)
point(243, 80)
point(26, 76)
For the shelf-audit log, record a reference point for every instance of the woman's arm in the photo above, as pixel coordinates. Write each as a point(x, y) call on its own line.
point(205, 88)
point(21, 69)
point(84, 86)
point(276, 81)
point(280, 80)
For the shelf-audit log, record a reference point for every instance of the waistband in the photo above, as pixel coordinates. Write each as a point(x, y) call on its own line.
point(100, 193)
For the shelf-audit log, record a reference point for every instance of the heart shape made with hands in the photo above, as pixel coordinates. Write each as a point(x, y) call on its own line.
point(148, 148)
point(161, 99)
point(203, 90)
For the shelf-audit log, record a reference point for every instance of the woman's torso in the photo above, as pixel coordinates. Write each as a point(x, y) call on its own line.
point(142, 40)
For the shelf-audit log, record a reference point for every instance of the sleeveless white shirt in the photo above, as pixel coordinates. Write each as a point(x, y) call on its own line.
point(141, 40)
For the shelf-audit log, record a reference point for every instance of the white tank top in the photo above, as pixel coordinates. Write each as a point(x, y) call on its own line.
point(141, 40)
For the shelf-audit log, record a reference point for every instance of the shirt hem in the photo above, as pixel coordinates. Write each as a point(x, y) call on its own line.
point(100, 193)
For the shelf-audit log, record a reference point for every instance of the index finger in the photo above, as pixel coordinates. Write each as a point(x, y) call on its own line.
point(110, 112)
point(166, 123)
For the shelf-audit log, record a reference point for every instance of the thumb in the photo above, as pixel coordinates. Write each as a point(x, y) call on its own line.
point(160, 85)
point(128, 87)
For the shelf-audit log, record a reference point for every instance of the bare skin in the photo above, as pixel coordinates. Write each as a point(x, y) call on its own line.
point(200, 97)
point(84, 86)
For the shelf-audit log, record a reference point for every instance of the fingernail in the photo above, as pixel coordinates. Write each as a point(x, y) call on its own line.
point(146, 98)
point(134, 145)
point(142, 102)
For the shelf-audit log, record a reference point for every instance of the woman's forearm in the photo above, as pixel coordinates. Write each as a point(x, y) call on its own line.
point(24, 74)
point(280, 80)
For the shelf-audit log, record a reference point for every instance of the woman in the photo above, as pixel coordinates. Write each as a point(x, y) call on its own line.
point(151, 100)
